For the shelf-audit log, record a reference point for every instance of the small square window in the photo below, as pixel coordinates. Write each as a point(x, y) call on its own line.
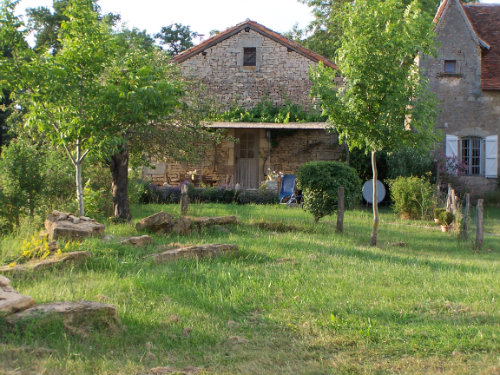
point(249, 56)
point(450, 66)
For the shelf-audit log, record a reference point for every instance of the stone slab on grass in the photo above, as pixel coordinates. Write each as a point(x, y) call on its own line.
point(159, 222)
point(200, 251)
point(138, 241)
point(12, 302)
point(209, 221)
point(64, 225)
point(52, 261)
point(78, 317)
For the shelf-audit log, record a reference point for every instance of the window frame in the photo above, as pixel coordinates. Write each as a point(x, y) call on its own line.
point(252, 52)
point(446, 64)
point(468, 147)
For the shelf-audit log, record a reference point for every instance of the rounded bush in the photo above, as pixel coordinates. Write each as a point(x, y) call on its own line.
point(413, 197)
point(319, 182)
point(446, 218)
point(437, 212)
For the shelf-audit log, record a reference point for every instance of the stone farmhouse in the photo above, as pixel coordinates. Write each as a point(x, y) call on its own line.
point(465, 77)
point(246, 64)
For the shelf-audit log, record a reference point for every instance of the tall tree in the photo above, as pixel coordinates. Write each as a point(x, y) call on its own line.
point(323, 35)
point(149, 108)
point(103, 93)
point(384, 102)
point(46, 24)
point(176, 38)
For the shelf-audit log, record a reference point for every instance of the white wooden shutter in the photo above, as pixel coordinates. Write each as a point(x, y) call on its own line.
point(491, 158)
point(451, 146)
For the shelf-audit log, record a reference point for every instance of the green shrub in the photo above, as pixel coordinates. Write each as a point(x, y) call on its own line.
point(98, 201)
point(319, 182)
point(137, 190)
point(437, 212)
point(407, 162)
point(20, 179)
point(446, 218)
point(413, 197)
point(361, 162)
point(257, 197)
point(220, 194)
point(58, 181)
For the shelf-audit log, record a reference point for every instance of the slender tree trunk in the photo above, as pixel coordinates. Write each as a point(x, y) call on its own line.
point(373, 238)
point(79, 187)
point(119, 185)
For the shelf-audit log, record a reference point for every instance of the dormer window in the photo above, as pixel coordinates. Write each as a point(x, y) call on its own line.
point(450, 66)
point(249, 56)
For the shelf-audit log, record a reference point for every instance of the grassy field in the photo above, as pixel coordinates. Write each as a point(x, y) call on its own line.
point(297, 299)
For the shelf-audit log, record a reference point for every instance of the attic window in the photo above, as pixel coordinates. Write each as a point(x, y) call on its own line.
point(450, 66)
point(249, 56)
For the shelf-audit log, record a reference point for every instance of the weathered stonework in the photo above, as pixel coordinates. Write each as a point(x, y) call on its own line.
point(465, 109)
point(279, 74)
point(286, 152)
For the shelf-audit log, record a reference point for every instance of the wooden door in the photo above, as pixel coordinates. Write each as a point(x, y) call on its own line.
point(246, 160)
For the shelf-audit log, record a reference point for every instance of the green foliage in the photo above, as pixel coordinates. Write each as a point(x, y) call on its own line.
point(361, 162)
point(266, 111)
point(256, 197)
point(408, 162)
point(437, 212)
point(102, 93)
point(176, 37)
point(413, 197)
point(383, 89)
point(20, 179)
point(58, 180)
point(319, 182)
point(33, 180)
point(221, 194)
point(446, 218)
point(137, 189)
point(324, 34)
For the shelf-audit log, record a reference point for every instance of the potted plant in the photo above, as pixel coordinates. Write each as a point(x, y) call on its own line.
point(446, 218)
point(437, 212)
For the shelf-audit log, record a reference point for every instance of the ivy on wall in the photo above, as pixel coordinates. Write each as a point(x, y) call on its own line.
point(266, 111)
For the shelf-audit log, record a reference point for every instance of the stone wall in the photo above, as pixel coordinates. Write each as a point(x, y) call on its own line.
point(279, 74)
point(289, 150)
point(465, 109)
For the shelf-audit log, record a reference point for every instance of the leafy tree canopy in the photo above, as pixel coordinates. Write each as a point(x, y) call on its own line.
point(176, 38)
point(324, 33)
point(384, 102)
point(102, 93)
point(46, 23)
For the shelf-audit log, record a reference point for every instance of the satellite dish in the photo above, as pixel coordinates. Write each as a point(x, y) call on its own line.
point(368, 191)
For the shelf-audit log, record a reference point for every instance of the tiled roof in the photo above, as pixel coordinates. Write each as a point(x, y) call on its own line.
point(485, 19)
point(260, 29)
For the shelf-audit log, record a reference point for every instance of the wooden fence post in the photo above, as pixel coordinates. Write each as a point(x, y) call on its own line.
point(448, 199)
point(184, 200)
point(453, 202)
point(479, 225)
point(464, 227)
point(340, 210)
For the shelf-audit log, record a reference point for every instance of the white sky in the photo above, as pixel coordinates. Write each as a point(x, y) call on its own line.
point(201, 15)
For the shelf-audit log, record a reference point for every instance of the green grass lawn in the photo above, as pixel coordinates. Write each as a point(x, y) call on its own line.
point(296, 299)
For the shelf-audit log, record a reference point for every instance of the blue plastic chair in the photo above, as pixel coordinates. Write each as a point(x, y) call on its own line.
point(287, 186)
